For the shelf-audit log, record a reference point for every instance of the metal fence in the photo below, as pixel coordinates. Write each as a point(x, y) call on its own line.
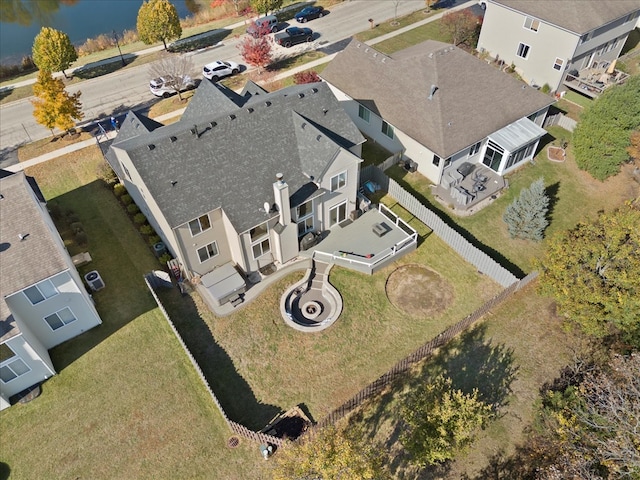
point(425, 351)
point(472, 254)
point(235, 427)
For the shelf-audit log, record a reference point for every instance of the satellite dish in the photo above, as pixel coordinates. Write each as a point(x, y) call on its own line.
point(267, 207)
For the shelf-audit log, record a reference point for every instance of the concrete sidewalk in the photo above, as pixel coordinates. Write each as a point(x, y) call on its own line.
point(111, 134)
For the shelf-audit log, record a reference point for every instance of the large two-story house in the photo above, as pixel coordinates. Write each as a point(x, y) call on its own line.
point(241, 178)
point(572, 43)
point(439, 107)
point(44, 301)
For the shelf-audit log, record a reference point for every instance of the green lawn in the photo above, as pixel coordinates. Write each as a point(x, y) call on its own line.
point(574, 195)
point(126, 402)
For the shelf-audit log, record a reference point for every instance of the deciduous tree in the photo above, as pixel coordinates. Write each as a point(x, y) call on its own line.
point(52, 51)
point(592, 272)
point(158, 21)
point(256, 51)
point(326, 455)
point(526, 216)
point(592, 424)
point(53, 106)
point(172, 66)
point(441, 422)
point(601, 139)
point(463, 27)
point(265, 6)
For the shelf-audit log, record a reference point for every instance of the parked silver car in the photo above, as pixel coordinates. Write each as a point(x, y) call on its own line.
point(169, 85)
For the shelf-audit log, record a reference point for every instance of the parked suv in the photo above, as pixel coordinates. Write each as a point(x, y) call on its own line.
point(263, 25)
point(168, 85)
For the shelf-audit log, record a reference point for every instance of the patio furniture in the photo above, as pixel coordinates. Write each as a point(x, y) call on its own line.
point(380, 229)
point(462, 195)
point(466, 168)
point(451, 178)
point(479, 177)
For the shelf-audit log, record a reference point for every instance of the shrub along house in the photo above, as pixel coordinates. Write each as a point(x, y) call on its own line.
point(208, 183)
point(574, 43)
point(438, 108)
point(44, 301)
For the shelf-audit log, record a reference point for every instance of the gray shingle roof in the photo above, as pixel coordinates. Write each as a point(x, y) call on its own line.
point(578, 16)
point(37, 256)
point(472, 100)
point(212, 99)
point(232, 160)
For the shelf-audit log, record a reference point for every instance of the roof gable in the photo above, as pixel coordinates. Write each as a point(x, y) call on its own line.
point(436, 93)
point(211, 99)
point(230, 159)
point(578, 16)
point(29, 251)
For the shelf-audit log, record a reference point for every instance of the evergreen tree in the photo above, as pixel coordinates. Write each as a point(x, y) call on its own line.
point(52, 51)
point(53, 106)
point(158, 21)
point(526, 217)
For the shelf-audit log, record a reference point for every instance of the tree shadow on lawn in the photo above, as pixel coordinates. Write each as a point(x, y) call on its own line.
point(398, 174)
point(471, 361)
point(120, 265)
point(552, 192)
point(233, 392)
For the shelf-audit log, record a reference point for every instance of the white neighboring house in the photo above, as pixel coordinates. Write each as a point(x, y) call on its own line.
point(546, 39)
point(439, 107)
point(44, 301)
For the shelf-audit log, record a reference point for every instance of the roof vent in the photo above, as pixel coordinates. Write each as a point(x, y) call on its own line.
point(304, 124)
point(383, 59)
point(524, 86)
point(151, 146)
point(324, 110)
point(267, 103)
point(212, 124)
point(375, 54)
point(301, 95)
point(319, 137)
point(449, 124)
point(232, 116)
point(431, 55)
point(432, 91)
point(314, 90)
point(173, 183)
point(358, 46)
point(173, 139)
point(250, 110)
point(366, 50)
point(22, 236)
point(194, 130)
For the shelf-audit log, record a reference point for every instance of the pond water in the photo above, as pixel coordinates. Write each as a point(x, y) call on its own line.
point(21, 20)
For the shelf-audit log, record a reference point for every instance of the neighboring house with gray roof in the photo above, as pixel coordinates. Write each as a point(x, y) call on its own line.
point(208, 186)
point(44, 301)
point(547, 39)
point(439, 107)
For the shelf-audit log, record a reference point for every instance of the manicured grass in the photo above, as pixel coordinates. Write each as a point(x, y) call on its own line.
point(429, 31)
point(578, 99)
point(392, 25)
point(574, 194)
point(126, 402)
point(49, 144)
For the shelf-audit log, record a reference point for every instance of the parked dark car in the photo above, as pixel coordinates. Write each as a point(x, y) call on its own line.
point(309, 13)
point(293, 35)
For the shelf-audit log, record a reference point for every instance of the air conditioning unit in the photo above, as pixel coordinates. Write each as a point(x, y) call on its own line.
point(94, 280)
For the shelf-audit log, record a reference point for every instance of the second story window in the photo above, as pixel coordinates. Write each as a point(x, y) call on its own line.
point(338, 181)
point(475, 149)
point(523, 50)
point(387, 129)
point(557, 65)
point(40, 292)
point(531, 24)
point(199, 225)
point(364, 113)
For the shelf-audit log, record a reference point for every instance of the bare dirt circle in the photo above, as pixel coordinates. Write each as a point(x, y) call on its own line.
point(418, 290)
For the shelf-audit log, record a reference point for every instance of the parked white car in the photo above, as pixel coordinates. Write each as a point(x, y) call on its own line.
point(214, 71)
point(166, 86)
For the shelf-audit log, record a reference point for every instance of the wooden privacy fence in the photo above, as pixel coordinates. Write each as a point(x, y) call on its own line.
point(235, 427)
point(472, 254)
point(561, 120)
point(425, 351)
